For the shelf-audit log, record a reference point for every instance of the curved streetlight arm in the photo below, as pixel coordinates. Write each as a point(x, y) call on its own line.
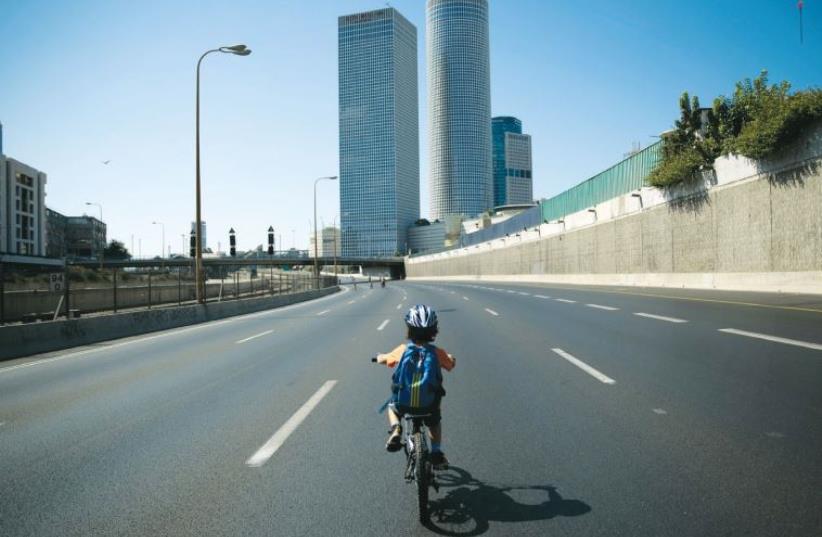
point(240, 50)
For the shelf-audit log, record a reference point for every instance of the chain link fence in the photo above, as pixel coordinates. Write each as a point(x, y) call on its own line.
point(33, 293)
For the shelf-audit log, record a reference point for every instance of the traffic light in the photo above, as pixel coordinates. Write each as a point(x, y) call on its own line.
point(192, 244)
point(271, 240)
point(232, 240)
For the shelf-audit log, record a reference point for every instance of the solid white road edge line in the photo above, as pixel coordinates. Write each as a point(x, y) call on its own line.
point(269, 448)
point(492, 312)
point(605, 379)
point(384, 323)
point(606, 308)
point(661, 318)
point(254, 337)
point(775, 339)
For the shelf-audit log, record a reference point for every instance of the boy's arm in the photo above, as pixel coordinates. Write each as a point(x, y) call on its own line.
point(392, 358)
point(447, 361)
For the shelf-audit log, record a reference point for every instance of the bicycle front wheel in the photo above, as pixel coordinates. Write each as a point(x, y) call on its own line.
point(422, 471)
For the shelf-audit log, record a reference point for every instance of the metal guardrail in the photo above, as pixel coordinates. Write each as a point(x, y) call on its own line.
point(39, 292)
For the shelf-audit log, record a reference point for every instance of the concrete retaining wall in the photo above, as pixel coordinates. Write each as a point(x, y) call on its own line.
point(24, 340)
point(755, 226)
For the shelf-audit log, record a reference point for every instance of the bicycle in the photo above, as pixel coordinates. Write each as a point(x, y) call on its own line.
point(418, 466)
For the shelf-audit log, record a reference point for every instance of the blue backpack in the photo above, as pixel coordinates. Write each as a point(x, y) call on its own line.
point(417, 380)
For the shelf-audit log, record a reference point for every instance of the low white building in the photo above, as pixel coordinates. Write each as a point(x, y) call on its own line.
point(22, 208)
point(330, 244)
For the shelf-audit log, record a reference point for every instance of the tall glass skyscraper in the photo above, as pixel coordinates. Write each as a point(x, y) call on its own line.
point(379, 132)
point(513, 182)
point(459, 97)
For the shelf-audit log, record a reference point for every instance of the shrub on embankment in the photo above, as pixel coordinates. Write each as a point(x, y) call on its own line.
point(756, 122)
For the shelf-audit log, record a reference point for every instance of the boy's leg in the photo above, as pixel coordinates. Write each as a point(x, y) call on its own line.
point(435, 433)
point(394, 442)
point(393, 419)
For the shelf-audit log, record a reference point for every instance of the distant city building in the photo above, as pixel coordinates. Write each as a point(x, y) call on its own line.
point(459, 105)
point(330, 245)
point(56, 225)
point(379, 132)
point(204, 235)
point(426, 237)
point(85, 236)
point(513, 176)
point(22, 208)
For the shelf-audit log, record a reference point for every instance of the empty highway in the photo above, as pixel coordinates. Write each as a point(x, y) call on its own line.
point(572, 411)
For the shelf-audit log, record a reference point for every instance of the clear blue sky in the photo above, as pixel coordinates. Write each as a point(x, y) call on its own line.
point(84, 81)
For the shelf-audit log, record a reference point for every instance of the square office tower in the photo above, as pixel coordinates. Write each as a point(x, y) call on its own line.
point(379, 132)
point(513, 180)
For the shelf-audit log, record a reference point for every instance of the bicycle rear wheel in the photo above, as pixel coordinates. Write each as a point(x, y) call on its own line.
point(422, 471)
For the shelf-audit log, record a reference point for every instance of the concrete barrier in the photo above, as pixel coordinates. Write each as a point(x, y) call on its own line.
point(759, 228)
point(24, 340)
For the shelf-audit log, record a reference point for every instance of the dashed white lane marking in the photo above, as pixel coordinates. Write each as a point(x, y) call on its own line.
point(351, 302)
point(660, 411)
point(510, 291)
point(466, 298)
point(605, 379)
point(323, 312)
point(255, 337)
point(269, 448)
point(565, 300)
point(775, 339)
point(606, 308)
point(661, 318)
point(492, 312)
point(523, 293)
point(774, 434)
point(399, 306)
point(2, 423)
point(385, 322)
point(169, 333)
point(543, 297)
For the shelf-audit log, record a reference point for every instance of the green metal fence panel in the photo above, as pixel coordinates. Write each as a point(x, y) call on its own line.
point(620, 179)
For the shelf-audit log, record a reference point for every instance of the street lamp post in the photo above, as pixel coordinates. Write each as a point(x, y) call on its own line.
point(316, 259)
point(163, 226)
point(238, 50)
point(334, 237)
point(103, 247)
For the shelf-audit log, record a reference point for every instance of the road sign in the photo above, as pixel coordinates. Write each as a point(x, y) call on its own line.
point(56, 281)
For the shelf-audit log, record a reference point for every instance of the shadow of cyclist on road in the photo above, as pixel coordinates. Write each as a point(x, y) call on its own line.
point(469, 505)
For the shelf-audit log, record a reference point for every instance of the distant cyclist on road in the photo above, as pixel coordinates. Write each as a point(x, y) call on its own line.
point(422, 330)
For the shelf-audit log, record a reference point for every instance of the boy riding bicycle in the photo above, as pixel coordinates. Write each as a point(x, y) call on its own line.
point(422, 330)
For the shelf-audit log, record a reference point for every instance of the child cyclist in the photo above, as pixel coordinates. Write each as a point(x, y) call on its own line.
point(420, 353)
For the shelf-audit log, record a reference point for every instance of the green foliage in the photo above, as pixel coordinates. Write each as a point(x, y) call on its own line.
point(116, 250)
point(676, 168)
point(757, 122)
point(685, 151)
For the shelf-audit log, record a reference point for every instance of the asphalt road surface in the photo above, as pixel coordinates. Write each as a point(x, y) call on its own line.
point(572, 411)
